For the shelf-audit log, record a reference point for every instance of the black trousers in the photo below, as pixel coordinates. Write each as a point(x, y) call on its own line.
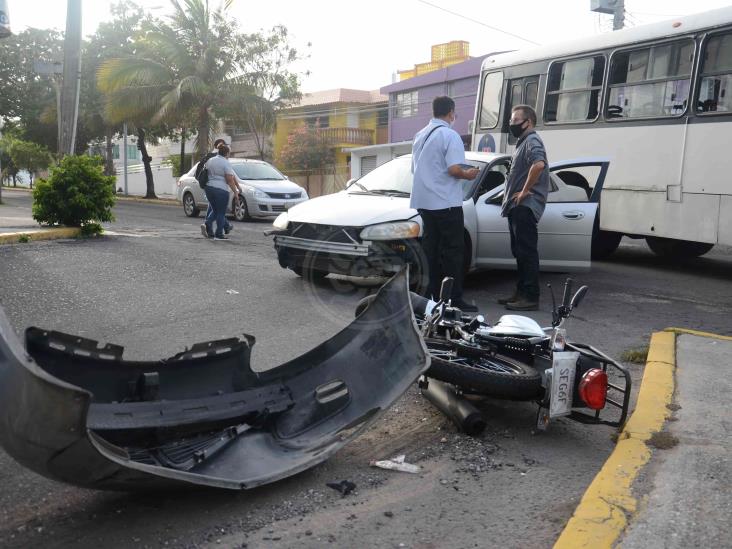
point(444, 247)
point(524, 246)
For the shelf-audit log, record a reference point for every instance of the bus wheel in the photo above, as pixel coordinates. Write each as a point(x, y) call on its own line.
point(670, 247)
point(604, 243)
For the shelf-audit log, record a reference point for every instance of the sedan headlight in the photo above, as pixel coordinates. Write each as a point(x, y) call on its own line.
point(256, 193)
point(281, 222)
point(391, 231)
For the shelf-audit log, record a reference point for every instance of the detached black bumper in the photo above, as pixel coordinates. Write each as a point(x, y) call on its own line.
point(77, 412)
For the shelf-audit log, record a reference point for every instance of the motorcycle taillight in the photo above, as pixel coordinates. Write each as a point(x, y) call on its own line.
point(593, 388)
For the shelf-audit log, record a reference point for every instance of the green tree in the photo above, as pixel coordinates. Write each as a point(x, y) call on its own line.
point(266, 84)
point(112, 39)
point(187, 68)
point(27, 98)
point(307, 152)
point(29, 156)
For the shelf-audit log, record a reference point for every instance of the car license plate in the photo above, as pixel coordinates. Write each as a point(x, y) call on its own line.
point(564, 366)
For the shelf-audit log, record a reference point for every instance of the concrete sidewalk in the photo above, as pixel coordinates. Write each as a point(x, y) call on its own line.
point(17, 223)
point(689, 502)
point(668, 483)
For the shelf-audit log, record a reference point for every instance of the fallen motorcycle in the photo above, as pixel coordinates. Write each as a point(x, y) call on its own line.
point(516, 359)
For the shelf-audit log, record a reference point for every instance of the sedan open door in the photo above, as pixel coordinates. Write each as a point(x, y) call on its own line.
point(565, 229)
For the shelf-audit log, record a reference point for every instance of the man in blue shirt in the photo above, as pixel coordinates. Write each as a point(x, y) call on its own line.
point(438, 156)
point(523, 204)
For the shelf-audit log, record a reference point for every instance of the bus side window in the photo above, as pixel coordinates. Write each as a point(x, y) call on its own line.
point(651, 81)
point(715, 89)
point(573, 90)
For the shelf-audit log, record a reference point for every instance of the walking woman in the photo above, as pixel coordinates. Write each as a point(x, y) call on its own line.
point(220, 179)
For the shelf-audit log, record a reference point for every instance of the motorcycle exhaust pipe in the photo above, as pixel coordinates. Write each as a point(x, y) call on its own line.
point(461, 412)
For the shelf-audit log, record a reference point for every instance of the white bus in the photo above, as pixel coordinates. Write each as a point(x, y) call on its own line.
point(656, 100)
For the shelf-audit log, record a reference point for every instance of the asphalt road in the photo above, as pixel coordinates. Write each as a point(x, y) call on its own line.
point(156, 286)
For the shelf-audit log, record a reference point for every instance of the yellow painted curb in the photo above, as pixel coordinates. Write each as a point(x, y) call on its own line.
point(698, 333)
point(608, 503)
point(48, 234)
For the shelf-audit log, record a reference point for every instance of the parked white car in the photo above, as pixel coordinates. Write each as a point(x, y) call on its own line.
point(263, 191)
point(369, 228)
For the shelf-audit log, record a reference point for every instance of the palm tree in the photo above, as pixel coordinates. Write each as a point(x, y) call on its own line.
point(184, 68)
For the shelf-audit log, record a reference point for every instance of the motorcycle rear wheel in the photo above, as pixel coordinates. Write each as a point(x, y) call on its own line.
point(486, 374)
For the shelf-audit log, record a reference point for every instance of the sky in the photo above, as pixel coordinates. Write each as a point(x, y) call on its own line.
point(361, 45)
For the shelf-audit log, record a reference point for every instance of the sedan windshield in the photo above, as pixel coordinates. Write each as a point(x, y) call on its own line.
point(395, 178)
point(256, 170)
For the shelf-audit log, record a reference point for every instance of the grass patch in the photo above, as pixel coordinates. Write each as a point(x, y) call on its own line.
point(90, 230)
point(639, 355)
point(24, 238)
point(663, 440)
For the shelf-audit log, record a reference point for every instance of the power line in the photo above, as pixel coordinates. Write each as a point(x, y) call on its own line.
point(478, 22)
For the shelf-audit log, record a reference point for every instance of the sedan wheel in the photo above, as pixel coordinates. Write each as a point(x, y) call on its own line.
point(241, 212)
point(189, 205)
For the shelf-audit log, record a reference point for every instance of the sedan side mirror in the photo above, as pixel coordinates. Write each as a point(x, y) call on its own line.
point(350, 182)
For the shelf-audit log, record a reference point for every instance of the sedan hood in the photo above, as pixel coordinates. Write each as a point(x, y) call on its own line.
point(268, 186)
point(352, 210)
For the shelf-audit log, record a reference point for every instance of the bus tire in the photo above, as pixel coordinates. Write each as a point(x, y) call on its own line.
point(679, 249)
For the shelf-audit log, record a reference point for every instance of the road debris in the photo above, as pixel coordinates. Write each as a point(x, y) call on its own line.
point(345, 487)
point(397, 464)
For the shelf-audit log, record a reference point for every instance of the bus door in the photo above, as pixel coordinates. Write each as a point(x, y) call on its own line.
point(520, 91)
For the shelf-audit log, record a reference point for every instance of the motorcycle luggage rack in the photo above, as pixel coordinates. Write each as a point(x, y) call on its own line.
point(594, 354)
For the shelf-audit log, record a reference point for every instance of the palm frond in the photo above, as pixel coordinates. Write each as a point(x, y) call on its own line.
point(119, 73)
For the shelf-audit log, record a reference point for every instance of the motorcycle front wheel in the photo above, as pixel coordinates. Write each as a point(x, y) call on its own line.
point(485, 373)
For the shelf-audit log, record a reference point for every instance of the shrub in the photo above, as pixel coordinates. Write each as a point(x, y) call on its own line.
point(76, 193)
point(174, 160)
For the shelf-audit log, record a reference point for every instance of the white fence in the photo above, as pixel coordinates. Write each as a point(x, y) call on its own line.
point(165, 183)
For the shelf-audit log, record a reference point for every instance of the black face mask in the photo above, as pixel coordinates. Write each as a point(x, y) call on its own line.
point(516, 129)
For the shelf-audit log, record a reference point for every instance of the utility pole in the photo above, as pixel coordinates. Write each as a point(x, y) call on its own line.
point(619, 15)
point(124, 154)
point(72, 77)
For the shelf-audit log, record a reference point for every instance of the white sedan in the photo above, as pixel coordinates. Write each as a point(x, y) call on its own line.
point(369, 228)
point(263, 191)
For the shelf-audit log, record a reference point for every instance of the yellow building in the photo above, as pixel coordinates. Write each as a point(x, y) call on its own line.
point(443, 55)
point(345, 118)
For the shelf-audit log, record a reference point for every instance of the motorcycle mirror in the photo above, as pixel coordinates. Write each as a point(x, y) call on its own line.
point(567, 292)
point(579, 296)
point(446, 288)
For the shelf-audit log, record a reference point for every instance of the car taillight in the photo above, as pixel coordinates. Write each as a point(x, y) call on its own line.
point(593, 388)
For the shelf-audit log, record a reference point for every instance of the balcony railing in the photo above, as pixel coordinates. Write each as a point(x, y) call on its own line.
point(351, 136)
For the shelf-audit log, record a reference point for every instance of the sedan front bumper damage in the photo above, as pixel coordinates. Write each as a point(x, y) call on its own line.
point(77, 412)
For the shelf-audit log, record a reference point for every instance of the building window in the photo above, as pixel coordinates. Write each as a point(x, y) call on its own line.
point(382, 117)
point(573, 90)
point(131, 152)
point(715, 90)
point(491, 100)
point(318, 121)
point(368, 163)
point(406, 104)
point(650, 82)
